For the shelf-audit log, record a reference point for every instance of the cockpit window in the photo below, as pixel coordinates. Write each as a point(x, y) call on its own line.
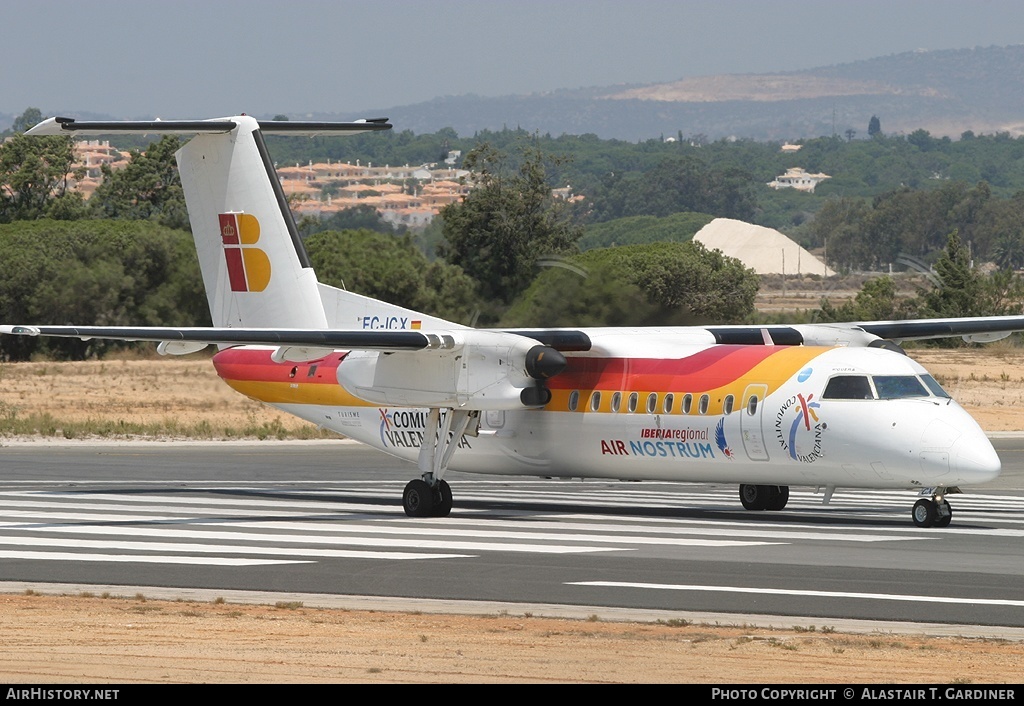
point(934, 386)
point(894, 387)
point(848, 387)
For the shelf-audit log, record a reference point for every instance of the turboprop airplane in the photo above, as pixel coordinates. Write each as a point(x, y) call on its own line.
point(764, 407)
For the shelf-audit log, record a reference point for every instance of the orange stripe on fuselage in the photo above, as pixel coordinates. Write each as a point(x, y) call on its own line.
point(717, 371)
point(701, 372)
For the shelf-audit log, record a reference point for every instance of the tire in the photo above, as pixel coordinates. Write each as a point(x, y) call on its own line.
point(754, 497)
point(778, 499)
point(418, 499)
point(943, 519)
point(924, 513)
point(442, 499)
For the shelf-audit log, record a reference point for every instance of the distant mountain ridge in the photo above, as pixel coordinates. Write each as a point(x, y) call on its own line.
point(945, 92)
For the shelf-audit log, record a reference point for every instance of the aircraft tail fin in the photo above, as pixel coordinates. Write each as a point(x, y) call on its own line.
point(255, 269)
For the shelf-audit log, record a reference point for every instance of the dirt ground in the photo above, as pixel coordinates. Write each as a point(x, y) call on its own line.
point(109, 639)
point(76, 639)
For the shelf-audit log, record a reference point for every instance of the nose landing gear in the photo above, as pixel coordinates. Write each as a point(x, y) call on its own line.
point(932, 512)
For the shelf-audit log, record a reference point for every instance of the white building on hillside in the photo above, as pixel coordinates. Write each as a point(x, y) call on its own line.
point(797, 178)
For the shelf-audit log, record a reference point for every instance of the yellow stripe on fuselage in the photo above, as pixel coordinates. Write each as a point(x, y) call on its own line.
point(773, 371)
point(297, 393)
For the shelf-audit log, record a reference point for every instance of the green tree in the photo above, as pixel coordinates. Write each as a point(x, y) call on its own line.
point(508, 221)
point(355, 218)
point(30, 118)
point(147, 188)
point(963, 291)
point(874, 126)
point(877, 300)
point(635, 230)
point(600, 295)
point(34, 172)
point(92, 272)
point(658, 284)
point(391, 268)
point(677, 184)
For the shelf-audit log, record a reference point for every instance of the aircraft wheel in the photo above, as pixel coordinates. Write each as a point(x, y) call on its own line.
point(418, 499)
point(924, 513)
point(779, 498)
point(943, 515)
point(442, 499)
point(754, 497)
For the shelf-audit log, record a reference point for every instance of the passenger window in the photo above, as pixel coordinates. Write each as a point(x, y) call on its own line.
point(848, 387)
point(574, 400)
point(727, 405)
point(752, 405)
point(616, 401)
point(702, 407)
point(897, 387)
point(687, 403)
point(669, 399)
point(652, 402)
point(633, 397)
point(595, 401)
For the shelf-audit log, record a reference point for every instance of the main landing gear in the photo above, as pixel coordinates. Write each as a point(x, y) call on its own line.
point(764, 497)
point(932, 512)
point(430, 495)
point(420, 499)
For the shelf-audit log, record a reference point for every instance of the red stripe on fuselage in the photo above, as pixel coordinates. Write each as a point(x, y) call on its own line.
point(254, 364)
point(706, 370)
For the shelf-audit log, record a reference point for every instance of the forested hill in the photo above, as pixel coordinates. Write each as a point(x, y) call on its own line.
point(945, 92)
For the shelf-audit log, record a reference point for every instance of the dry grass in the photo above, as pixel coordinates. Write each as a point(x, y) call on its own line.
point(166, 398)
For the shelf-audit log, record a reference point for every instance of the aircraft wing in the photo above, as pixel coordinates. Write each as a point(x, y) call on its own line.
point(979, 329)
point(341, 339)
point(319, 338)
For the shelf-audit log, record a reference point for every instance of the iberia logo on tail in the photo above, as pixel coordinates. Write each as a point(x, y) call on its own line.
point(248, 266)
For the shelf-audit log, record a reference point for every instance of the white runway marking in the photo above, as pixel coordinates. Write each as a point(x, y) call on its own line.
point(418, 542)
point(217, 548)
point(143, 558)
point(246, 525)
point(796, 592)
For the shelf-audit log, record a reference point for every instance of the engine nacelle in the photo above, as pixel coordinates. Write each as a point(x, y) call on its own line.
point(836, 335)
point(469, 369)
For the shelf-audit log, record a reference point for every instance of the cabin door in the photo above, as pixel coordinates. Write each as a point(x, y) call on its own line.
point(751, 422)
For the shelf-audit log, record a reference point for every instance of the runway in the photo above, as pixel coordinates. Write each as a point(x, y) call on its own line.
point(325, 518)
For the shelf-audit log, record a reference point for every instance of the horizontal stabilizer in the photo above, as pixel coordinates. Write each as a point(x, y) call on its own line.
point(68, 126)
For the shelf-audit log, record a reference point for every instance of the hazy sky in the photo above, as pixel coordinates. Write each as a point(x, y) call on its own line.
point(182, 58)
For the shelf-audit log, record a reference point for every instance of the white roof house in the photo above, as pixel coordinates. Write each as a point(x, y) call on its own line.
point(797, 178)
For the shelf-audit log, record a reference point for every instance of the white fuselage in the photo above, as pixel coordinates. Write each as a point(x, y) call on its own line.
point(754, 414)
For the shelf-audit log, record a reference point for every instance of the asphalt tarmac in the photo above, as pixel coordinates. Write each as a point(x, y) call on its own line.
point(323, 520)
